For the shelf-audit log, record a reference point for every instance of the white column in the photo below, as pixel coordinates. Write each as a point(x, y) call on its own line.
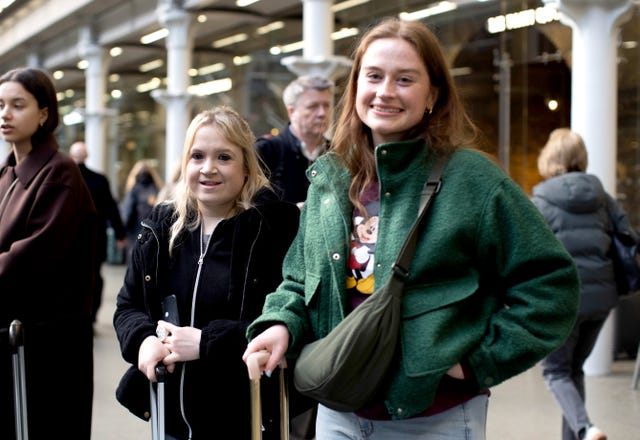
point(175, 98)
point(317, 55)
point(594, 110)
point(95, 89)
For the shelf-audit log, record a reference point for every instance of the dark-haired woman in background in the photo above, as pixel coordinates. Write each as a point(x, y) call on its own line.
point(47, 247)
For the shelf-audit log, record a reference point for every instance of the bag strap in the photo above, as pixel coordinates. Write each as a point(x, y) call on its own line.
point(431, 188)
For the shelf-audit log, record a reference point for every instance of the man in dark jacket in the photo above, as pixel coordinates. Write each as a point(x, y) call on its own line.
point(287, 156)
point(108, 216)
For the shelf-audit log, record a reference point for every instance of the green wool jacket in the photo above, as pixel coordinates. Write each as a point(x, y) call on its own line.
point(489, 285)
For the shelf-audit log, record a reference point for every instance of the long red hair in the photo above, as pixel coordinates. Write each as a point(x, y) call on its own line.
point(446, 128)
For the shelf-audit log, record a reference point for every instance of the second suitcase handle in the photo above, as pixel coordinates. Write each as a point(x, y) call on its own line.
point(16, 340)
point(157, 404)
point(255, 362)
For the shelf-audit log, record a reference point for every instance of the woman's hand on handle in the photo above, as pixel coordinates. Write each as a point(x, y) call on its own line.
point(274, 340)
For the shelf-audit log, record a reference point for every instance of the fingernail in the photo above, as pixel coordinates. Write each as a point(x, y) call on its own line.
point(268, 373)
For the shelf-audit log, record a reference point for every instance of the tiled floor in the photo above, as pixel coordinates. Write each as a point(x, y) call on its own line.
point(519, 409)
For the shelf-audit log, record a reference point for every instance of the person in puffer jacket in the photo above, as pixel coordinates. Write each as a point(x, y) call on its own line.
point(581, 214)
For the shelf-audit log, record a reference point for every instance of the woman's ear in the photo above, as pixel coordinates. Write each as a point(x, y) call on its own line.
point(44, 114)
point(433, 98)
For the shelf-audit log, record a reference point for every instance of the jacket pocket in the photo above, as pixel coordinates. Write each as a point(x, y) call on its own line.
point(439, 325)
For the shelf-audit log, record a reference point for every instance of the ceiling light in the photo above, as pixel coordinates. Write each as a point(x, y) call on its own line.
point(270, 27)
point(233, 39)
point(460, 71)
point(58, 74)
point(344, 33)
point(240, 60)
point(348, 4)
point(154, 36)
point(243, 3)
point(151, 65)
point(211, 68)
point(116, 94)
point(286, 48)
point(73, 118)
point(115, 51)
point(438, 8)
point(83, 64)
point(521, 19)
point(152, 84)
point(202, 18)
point(211, 87)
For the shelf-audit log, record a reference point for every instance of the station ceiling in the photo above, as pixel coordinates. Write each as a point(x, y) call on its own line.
point(50, 31)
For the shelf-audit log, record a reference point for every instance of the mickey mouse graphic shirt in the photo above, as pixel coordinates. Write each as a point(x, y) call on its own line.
point(364, 235)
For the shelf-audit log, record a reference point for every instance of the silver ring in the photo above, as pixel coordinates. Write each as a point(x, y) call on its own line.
point(161, 333)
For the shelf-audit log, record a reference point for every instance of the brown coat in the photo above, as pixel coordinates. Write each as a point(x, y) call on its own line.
point(47, 247)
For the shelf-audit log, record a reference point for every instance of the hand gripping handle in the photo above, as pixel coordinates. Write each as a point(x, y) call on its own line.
point(255, 363)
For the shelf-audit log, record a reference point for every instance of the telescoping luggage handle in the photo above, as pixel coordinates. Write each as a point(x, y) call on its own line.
point(16, 340)
point(254, 363)
point(157, 404)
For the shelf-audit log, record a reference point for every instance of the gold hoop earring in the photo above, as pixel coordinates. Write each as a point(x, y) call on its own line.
point(429, 111)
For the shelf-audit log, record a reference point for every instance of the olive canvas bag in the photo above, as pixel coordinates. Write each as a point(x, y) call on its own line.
point(348, 367)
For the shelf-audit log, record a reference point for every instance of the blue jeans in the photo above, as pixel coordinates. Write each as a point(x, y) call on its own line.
point(564, 376)
point(467, 421)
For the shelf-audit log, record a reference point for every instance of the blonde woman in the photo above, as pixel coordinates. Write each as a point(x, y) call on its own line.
point(218, 246)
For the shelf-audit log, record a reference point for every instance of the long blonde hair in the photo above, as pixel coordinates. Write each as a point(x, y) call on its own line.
point(236, 130)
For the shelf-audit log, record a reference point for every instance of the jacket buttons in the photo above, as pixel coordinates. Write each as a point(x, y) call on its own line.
point(147, 277)
point(139, 236)
point(383, 152)
point(336, 256)
point(314, 173)
point(146, 415)
point(387, 194)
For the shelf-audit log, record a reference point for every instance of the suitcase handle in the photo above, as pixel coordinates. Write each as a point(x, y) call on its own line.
point(255, 362)
point(157, 403)
point(16, 340)
point(161, 372)
point(16, 336)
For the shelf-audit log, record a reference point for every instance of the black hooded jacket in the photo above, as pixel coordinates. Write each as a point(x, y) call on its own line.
point(241, 266)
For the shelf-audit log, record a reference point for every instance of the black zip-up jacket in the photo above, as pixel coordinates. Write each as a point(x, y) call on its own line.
point(215, 387)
